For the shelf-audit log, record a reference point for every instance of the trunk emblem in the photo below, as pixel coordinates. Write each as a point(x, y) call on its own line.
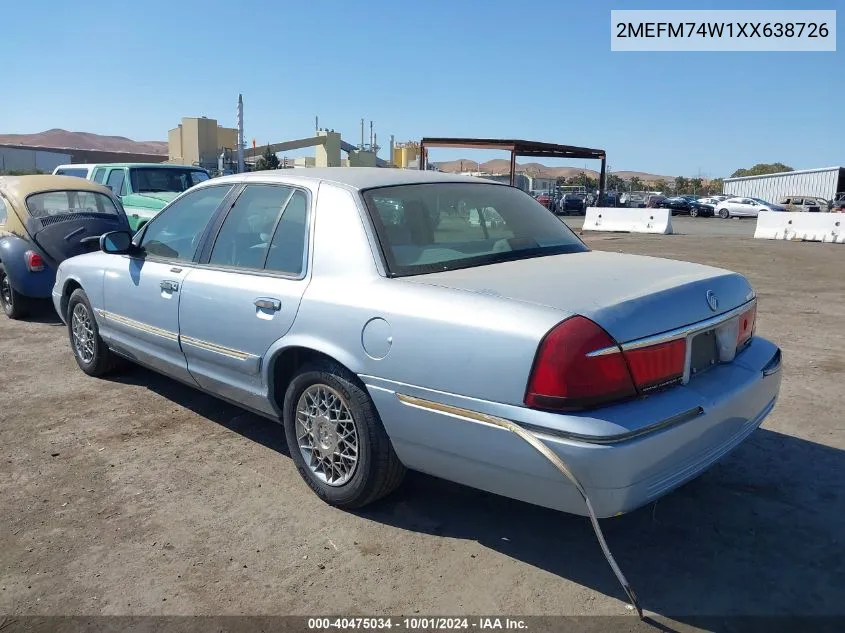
point(712, 300)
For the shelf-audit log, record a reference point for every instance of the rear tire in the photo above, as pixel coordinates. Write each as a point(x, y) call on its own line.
point(336, 438)
point(14, 304)
point(724, 214)
point(693, 213)
point(90, 351)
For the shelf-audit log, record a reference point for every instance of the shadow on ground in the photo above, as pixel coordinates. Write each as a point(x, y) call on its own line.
point(761, 533)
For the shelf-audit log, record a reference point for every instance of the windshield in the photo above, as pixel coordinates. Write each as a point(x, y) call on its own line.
point(50, 203)
point(157, 179)
point(427, 228)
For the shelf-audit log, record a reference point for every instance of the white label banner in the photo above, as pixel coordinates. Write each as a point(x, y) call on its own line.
point(728, 30)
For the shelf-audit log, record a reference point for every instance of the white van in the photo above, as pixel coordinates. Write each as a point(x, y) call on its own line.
point(80, 170)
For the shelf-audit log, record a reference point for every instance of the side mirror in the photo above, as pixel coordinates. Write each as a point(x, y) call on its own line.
point(116, 242)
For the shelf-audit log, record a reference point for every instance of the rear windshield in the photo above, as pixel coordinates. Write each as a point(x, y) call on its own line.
point(42, 205)
point(443, 226)
point(80, 173)
point(153, 179)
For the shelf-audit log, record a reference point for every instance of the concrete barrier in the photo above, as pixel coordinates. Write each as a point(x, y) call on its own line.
point(802, 227)
point(628, 220)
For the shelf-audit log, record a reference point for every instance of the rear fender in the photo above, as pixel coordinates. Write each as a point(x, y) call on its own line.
point(30, 284)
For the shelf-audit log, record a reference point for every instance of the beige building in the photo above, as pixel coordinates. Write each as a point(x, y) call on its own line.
point(199, 141)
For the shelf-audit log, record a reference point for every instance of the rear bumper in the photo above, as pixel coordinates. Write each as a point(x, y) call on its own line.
point(635, 460)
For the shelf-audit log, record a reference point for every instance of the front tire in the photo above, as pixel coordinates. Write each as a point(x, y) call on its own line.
point(693, 213)
point(724, 214)
point(90, 351)
point(336, 438)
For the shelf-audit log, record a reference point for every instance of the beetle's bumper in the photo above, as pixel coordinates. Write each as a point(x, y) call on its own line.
point(663, 441)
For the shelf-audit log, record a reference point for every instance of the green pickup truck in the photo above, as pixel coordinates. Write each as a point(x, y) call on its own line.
point(145, 188)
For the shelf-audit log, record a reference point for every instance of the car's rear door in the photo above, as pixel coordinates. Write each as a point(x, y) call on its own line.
point(141, 291)
point(244, 295)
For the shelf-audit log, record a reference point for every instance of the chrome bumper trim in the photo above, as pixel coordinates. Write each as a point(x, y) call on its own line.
point(493, 420)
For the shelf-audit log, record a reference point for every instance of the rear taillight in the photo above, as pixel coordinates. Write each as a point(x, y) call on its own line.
point(658, 365)
point(746, 326)
point(34, 261)
point(579, 366)
point(565, 376)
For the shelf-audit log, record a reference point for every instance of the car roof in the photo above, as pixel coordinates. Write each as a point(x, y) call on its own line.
point(352, 177)
point(157, 165)
point(18, 188)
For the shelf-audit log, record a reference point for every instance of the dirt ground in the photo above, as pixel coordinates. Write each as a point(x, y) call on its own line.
point(136, 495)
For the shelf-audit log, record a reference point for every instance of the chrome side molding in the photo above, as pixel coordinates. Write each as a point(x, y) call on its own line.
point(774, 365)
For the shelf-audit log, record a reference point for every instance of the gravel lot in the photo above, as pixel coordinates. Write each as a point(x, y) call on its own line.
point(136, 495)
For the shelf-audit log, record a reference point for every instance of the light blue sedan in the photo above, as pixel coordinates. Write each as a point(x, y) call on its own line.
point(387, 324)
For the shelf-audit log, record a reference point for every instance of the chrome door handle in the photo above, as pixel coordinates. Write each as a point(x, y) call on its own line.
point(169, 286)
point(268, 304)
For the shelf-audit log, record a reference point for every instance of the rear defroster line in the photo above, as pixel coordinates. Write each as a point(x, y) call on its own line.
point(551, 456)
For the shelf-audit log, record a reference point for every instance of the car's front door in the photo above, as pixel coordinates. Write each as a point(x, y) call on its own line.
point(141, 291)
point(245, 293)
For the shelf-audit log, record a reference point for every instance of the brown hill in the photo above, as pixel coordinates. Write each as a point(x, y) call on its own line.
point(84, 140)
point(502, 166)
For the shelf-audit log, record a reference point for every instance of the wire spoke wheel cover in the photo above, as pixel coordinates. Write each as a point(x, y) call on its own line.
point(83, 333)
point(327, 434)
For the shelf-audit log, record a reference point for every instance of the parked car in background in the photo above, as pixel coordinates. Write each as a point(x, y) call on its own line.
point(145, 188)
point(703, 207)
point(573, 203)
point(745, 207)
point(544, 199)
point(79, 170)
point(656, 202)
point(43, 221)
point(250, 288)
point(811, 204)
point(837, 205)
point(678, 204)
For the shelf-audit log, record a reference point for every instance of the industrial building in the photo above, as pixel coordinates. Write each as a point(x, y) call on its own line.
point(822, 183)
point(30, 160)
point(200, 141)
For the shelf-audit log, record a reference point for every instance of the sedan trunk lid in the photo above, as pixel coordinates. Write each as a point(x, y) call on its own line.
point(630, 296)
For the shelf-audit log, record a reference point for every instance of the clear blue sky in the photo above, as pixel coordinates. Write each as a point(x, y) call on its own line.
point(539, 70)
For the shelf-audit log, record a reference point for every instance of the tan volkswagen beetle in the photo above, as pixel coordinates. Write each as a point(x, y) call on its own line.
point(43, 221)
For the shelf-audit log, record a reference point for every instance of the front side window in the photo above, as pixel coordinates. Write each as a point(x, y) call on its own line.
point(4, 213)
point(115, 181)
point(426, 228)
point(99, 175)
point(245, 236)
point(175, 232)
point(164, 179)
point(53, 203)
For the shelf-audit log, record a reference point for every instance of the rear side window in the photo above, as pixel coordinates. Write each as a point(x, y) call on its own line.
point(99, 175)
point(287, 250)
point(4, 213)
point(52, 203)
point(245, 236)
point(115, 181)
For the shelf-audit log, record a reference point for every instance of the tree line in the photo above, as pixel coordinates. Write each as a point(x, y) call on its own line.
point(676, 186)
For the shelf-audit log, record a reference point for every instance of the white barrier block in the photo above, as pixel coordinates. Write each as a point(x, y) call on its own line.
point(628, 220)
point(802, 227)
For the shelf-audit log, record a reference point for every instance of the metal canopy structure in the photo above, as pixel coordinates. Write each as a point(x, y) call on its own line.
point(533, 149)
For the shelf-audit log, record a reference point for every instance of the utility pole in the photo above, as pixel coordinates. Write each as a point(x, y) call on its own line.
point(241, 143)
